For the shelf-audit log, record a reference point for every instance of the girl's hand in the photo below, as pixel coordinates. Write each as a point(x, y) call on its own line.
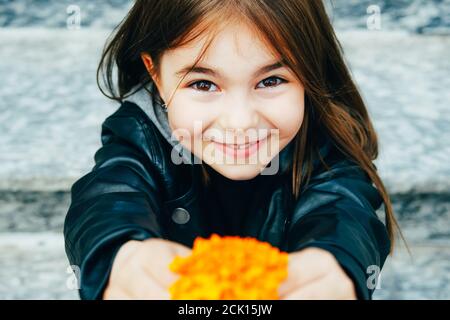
point(314, 273)
point(141, 270)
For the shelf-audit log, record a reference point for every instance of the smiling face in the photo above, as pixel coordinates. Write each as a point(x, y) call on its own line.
point(238, 108)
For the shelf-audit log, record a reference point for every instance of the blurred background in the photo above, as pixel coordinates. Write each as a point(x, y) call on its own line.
point(51, 112)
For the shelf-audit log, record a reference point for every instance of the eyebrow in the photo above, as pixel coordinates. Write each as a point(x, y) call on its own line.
point(212, 72)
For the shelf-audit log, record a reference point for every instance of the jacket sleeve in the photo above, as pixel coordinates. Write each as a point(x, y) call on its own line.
point(116, 202)
point(337, 213)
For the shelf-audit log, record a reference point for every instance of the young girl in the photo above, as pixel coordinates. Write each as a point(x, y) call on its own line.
point(236, 117)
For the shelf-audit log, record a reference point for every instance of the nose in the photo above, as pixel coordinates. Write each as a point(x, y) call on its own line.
point(239, 115)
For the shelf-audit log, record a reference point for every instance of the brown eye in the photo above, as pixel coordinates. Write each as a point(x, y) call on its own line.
point(202, 85)
point(272, 82)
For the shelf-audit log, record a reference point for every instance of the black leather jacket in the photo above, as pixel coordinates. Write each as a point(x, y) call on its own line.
point(135, 192)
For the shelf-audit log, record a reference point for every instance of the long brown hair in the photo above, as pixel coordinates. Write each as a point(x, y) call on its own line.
point(297, 30)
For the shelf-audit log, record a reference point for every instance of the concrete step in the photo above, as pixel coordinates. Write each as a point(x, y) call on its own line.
point(34, 266)
point(423, 275)
point(424, 218)
point(420, 16)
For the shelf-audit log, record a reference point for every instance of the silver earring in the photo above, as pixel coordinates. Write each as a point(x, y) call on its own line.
point(164, 106)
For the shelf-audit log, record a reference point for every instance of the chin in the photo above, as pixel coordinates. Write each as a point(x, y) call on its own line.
point(238, 172)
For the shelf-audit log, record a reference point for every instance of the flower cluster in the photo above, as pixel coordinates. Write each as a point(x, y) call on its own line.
point(229, 268)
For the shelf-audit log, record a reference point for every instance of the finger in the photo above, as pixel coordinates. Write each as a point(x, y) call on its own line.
point(315, 290)
point(145, 287)
point(180, 250)
point(160, 259)
point(305, 267)
point(113, 294)
point(152, 292)
point(161, 274)
point(326, 288)
point(290, 285)
point(136, 283)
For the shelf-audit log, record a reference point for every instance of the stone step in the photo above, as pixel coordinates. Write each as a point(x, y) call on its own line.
point(423, 275)
point(421, 16)
point(34, 266)
point(424, 218)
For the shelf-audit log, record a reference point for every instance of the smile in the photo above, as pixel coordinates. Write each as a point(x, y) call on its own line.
point(240, 150)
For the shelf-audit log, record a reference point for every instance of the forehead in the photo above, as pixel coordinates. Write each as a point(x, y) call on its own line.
point(231, 45)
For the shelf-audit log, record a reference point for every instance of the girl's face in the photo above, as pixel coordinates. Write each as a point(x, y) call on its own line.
point(238, 108)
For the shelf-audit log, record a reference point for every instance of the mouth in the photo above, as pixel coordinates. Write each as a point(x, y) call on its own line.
point(239, 146)
point(240, 150)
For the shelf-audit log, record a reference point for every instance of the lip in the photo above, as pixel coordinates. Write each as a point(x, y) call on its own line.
point(246, 152)
point(249, 142)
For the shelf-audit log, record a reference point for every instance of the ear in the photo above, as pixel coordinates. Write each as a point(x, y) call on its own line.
point(148, 62)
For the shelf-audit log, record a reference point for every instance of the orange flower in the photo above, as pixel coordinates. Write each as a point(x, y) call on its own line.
point(229, 268)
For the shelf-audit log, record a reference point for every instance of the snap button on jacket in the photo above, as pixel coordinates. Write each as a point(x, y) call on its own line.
point(181, 216)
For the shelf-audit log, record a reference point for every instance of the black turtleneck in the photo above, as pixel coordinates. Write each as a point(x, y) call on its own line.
point(228, 202)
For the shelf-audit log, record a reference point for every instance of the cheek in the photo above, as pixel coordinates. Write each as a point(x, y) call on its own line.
point(287, 115)
point(187, 123)
point(180, 123)
point(191, 116)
